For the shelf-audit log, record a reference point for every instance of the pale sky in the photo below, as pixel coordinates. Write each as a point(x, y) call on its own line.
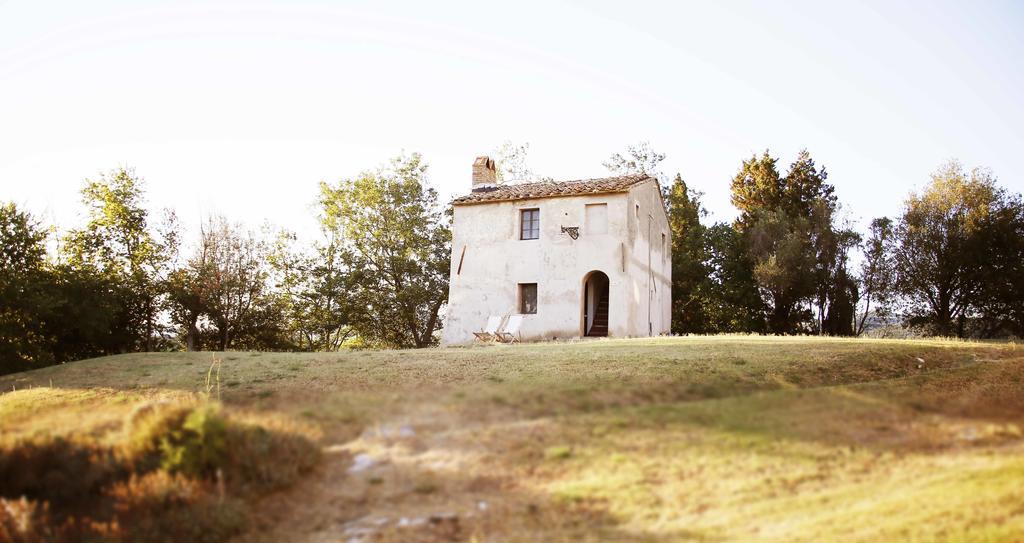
point(241, 108)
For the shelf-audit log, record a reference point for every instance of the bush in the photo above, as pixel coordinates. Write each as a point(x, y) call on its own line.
point(24, 521)
point(263, 460)
point(198, 441)
point(167, 482)
point(148, 426)
point(29, 521)
point(61, 471)
point(191, 440)
point(160, 506)
point(199, 447)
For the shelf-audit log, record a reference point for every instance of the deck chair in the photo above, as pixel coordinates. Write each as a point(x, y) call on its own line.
point(490, 331)
point(510, 333)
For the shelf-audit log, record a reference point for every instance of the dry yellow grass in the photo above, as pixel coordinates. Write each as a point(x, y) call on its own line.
point(733, 438)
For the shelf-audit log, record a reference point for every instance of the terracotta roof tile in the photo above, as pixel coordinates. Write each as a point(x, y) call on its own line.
point(552, 189)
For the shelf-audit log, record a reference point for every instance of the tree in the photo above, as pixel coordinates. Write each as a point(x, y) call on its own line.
point(836, 290)
point(732, 301)
point(314, 290)
point(88, 315)
point(783, 260)
point(233, 278)
point(796, 253)
point(758, 186)
point(119, 243)
point(1002, 296)
point(510, 161)
point(638, 159)
point(396, 244)
point(26, 301)
point(50, 312)
point(941, 239)
point(689, 268)
point(188, 299)
point(877, 273)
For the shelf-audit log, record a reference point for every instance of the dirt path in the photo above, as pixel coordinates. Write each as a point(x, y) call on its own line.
point(422, 476)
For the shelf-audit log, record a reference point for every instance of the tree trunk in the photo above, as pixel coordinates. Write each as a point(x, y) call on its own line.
point(190, 336)
point(224, 336)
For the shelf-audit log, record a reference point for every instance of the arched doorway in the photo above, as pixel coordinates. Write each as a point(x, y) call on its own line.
point(595, 304)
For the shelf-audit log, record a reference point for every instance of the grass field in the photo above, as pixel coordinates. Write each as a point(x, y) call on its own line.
point(728, 438)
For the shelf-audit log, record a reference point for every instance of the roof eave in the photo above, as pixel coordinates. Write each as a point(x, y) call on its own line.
point(545, 197)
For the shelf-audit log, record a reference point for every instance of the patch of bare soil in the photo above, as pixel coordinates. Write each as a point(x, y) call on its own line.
point(424, 476)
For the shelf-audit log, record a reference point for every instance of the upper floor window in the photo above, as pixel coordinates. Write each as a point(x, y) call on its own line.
point(529, 224)
point(596, 216)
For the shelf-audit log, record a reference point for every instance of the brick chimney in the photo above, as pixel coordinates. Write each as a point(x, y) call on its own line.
point(485, 177)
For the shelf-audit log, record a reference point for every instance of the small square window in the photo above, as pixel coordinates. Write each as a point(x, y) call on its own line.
point(528, 298)
point(529, 224)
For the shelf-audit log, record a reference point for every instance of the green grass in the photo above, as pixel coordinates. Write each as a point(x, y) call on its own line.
point(730, 438)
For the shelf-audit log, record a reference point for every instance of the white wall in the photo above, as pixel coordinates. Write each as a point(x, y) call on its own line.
point(494, 261)
point(650, 262)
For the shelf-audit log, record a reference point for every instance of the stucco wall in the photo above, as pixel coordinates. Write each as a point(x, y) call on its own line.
point(494, 261)
point(649, 262)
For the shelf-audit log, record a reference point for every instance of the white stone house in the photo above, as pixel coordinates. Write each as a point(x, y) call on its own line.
point(575, 258)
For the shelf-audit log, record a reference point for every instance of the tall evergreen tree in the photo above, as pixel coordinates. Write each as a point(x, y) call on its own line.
point(690, 273)
point(797, 254)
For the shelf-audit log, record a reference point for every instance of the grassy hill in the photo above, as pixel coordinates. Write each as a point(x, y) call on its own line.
point(727, 438)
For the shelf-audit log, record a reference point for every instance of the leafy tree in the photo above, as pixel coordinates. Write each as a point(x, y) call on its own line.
point(877, 273)
point(26, 301)
point(510, 160)
point(1001, 306)
point(233, 279)
point(941, 239)
point(638, 159)
point(841, 310)
point(396, 244)
point(88, 317)
point(50, 312)
point(188, 298)
point(119, 243)
point(779, 246)
point(732, 301)
point(836, 290)
point(314, 291)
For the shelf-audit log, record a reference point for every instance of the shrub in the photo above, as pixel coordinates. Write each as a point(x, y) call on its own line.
point(263, 460)
point(160, 506)
point(199, 447)
point(158, 486)
point(29, 521)
point(58, 470)
point(191, 440)
point(24, 521)
point(149, 425)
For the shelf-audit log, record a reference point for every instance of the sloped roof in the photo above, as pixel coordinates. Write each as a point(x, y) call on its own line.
point(552, 189)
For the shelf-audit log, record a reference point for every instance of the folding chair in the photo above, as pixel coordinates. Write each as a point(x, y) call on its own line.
point(510, 334)
point(490, 332)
